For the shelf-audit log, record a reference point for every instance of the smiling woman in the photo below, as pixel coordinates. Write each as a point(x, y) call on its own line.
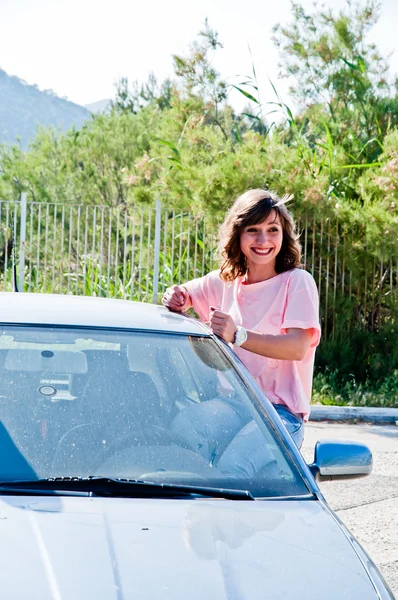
point(262, 302)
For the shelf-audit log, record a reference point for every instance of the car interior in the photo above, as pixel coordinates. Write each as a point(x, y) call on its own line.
point(149, 408)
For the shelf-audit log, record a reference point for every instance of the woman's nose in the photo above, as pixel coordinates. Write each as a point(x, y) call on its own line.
point(261, 237)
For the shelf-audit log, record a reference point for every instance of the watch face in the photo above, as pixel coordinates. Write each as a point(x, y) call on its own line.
point(241, 336)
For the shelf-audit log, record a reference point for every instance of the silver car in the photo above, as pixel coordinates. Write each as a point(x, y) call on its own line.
point(138, 459)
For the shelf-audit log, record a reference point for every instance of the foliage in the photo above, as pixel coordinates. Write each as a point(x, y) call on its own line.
point(134, 99)
point(337, 70)
point(80, 166)
point(328, 389)
point(197, 75)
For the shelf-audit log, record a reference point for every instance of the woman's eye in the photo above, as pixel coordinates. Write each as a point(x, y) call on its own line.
point(254, 230)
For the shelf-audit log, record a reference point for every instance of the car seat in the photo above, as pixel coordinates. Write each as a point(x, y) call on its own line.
point(114, 392)
point(115, 403)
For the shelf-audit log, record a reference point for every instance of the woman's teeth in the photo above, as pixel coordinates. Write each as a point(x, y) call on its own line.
point(263, 252)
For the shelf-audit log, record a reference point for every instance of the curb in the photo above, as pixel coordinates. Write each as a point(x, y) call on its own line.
point(380, 416)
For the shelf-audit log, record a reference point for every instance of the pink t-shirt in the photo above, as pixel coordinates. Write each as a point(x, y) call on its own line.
point(289, 299)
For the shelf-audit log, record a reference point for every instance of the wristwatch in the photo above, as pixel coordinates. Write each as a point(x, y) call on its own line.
point(240, 336)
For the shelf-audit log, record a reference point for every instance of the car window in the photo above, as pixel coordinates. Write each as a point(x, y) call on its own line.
point(136, 405)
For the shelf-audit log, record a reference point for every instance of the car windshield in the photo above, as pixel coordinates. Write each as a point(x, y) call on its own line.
point(156, 407)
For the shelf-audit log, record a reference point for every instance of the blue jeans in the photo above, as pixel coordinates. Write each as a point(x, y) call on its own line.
point(248, 452)
point(293, 423)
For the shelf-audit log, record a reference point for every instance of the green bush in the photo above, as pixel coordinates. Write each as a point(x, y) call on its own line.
point(328, 388)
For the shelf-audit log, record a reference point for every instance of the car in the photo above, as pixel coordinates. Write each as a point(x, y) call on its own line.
point(139, 459)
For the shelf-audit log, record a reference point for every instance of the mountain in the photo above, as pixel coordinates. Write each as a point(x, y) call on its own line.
point(98, 107)
point(23, 107)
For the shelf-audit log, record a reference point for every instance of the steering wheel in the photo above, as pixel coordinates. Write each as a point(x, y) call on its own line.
point(151, 435)
point(82, 451)
point(75, 444)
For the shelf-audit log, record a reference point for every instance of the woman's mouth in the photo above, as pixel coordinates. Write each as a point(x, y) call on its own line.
point(261, 251)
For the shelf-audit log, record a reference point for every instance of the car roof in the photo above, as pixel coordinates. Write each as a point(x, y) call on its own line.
point(88, 311)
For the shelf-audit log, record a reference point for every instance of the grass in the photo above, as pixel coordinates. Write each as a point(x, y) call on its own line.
point(327, 389)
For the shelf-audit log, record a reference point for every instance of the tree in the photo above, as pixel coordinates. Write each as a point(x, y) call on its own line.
point(133, 99)
point(338, 77)
point(198, 78)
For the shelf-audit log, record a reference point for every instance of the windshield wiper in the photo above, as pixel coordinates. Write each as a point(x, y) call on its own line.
point(107, 486)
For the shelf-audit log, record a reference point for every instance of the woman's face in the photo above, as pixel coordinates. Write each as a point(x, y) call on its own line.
point(261, 243)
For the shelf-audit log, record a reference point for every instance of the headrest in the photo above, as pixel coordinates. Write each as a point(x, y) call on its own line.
point(106, 359)
point(50, 361)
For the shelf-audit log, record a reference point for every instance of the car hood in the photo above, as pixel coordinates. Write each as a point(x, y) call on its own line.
point(74, 548)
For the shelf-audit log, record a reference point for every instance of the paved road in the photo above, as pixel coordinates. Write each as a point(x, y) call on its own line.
point(368, 506)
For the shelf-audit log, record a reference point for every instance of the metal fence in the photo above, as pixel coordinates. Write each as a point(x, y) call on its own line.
point(351, 280)
point(122, 252)
point(135, 253)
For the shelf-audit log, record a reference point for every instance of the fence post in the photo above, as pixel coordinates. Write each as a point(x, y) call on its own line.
point(156, 258)
point(22, 243)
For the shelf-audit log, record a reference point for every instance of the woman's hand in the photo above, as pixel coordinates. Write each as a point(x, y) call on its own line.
point(177, 298)
point(222, 325)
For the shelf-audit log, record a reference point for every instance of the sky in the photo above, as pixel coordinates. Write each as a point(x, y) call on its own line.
point(80, 48)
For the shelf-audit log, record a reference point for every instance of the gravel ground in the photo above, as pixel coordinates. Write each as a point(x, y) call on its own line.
point(369, 505)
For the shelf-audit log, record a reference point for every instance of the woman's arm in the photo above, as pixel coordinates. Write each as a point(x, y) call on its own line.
point(293, 345)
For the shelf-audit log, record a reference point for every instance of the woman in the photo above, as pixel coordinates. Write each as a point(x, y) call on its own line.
point(262, 302)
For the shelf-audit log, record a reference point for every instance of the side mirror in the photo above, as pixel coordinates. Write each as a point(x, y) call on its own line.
point(340, 460)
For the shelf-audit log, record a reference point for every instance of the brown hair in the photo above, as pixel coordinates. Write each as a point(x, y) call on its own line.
point(251, 208)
